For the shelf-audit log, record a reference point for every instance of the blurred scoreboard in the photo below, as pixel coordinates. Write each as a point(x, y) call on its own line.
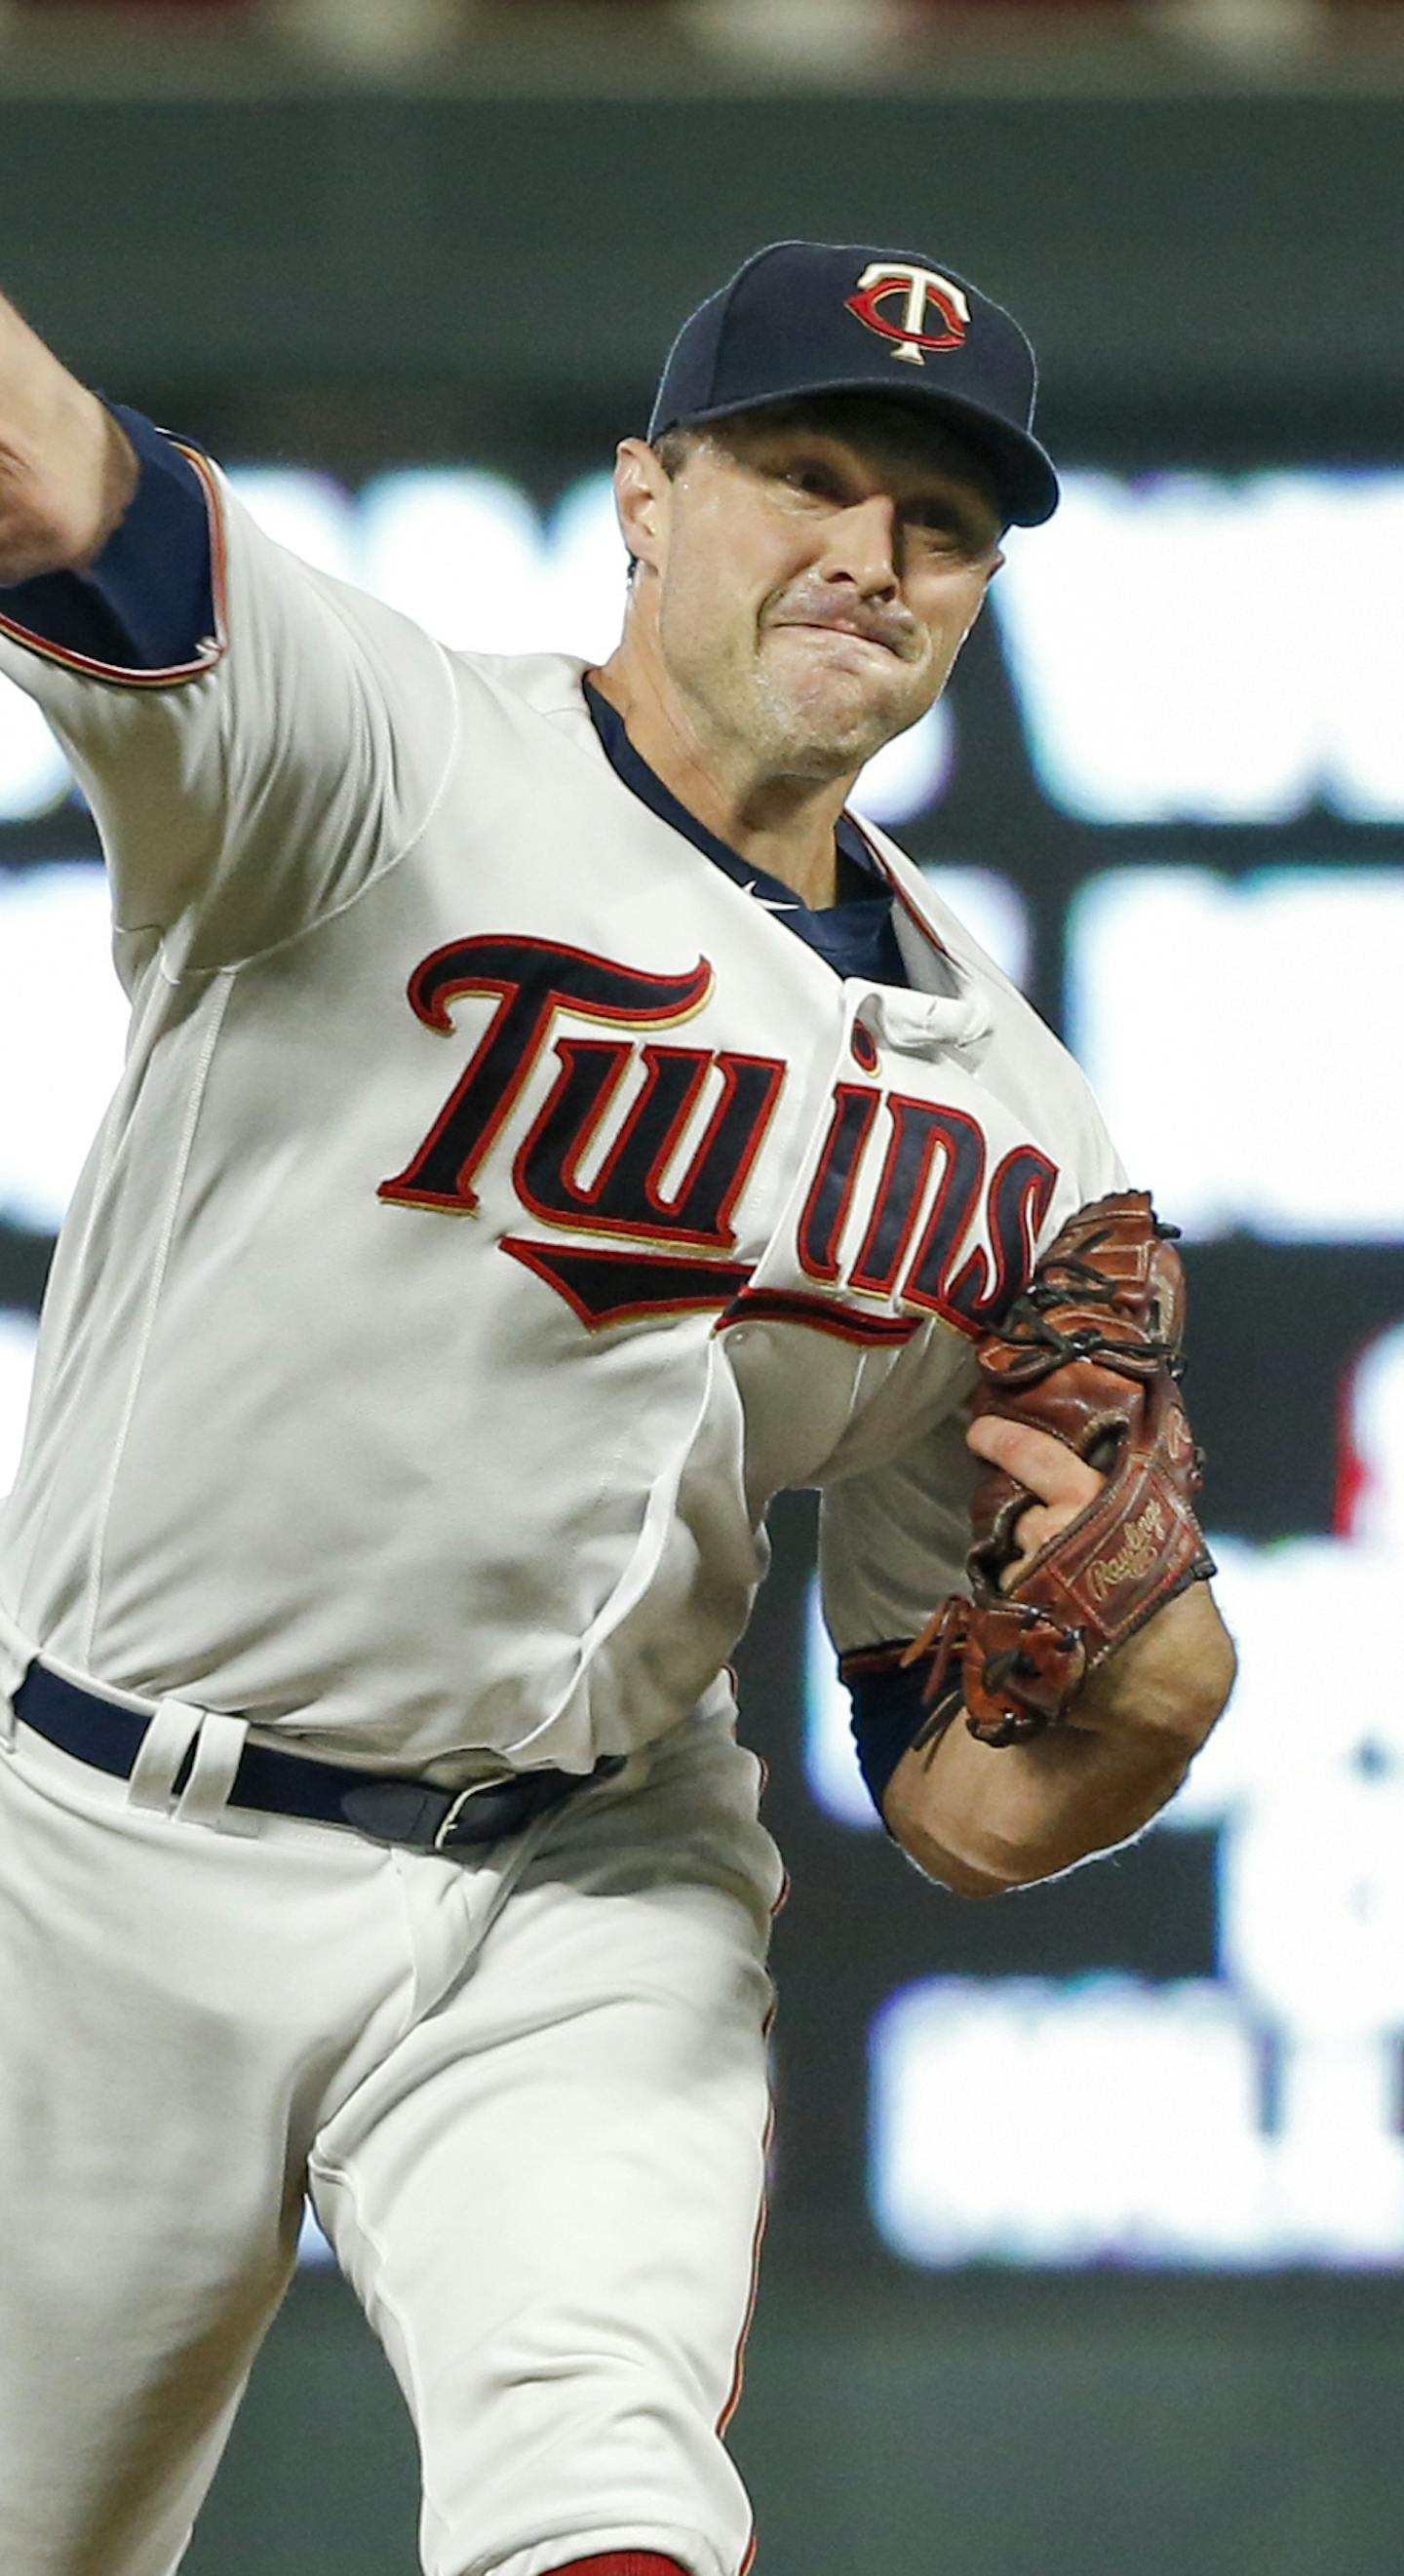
point(1166, 792)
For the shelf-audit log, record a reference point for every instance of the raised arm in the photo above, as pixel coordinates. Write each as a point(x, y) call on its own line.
point(256, 740)
point(67, 469)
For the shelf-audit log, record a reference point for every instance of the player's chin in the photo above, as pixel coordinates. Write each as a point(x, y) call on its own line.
point(830, 718)
point(852, 727)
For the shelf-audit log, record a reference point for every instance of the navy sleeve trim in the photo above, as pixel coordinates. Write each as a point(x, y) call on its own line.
point(888, 1709)
point(149, 611)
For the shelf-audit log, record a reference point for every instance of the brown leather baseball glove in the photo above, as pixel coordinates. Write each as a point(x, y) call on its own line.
point(1092, 1352)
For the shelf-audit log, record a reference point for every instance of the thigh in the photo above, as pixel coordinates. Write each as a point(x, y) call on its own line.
point(153, 2045)
point(550, 2197)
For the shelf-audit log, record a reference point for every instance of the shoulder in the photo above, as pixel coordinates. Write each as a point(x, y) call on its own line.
point(547, 685)
point(525, 705)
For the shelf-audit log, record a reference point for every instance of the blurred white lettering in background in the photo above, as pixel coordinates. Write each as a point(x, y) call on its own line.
point(1166, 665)
point(17, 1338)
point(1248, 2118)
point(1153, 631)
point(63, 1024)
point(469, 556)
point(1276, 997)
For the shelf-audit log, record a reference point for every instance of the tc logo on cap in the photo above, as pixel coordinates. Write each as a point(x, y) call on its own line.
point(920, 288)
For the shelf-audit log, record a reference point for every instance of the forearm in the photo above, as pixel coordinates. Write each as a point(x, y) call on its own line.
point(983, 1818)
point(67, 471)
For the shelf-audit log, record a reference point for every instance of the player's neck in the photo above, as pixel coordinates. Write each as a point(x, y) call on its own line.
point(783, 825)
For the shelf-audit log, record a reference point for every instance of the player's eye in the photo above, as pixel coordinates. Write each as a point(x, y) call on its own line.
point(931, 520)
point(938, 531)
point(816, 482)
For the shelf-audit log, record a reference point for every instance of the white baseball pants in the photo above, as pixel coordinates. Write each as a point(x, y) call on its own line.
point(528, 2096)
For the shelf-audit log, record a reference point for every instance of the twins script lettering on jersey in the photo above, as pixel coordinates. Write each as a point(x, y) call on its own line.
point(674, 1227)
point(629, 1195)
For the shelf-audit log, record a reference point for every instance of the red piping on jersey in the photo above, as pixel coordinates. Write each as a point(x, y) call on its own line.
point(912, 910)
point(738, 2376)
point(648, 2562)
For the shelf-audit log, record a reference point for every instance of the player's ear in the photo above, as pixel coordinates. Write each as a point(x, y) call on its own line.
point(641, 490)
point(995, 565)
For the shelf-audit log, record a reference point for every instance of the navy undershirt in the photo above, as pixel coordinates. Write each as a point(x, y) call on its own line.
point(855, 935)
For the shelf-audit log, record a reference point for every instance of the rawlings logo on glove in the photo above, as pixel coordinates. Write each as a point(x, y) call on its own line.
point(1092, 1353)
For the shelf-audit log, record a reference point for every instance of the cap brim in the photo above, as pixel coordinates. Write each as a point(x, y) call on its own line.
point(1026, 485)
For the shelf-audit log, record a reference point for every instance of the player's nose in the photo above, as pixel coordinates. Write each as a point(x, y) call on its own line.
point(863, 546)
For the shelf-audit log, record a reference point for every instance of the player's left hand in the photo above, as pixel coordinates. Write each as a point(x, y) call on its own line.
point(1083, 1525)
point(1059, 1484)
point(1165, 1667)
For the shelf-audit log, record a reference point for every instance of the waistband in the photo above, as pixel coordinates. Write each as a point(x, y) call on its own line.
point(386, 1807)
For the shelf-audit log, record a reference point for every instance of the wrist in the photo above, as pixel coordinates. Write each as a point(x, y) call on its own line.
point(1168, 1684)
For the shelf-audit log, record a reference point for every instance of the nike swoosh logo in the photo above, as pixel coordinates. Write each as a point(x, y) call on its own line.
point(767, 904)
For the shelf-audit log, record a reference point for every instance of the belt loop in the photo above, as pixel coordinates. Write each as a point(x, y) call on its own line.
point(16, 1656)
point(205, 1797)
point(172, 1730)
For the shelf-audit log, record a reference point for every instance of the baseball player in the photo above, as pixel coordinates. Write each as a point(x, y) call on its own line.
point(552, 1123)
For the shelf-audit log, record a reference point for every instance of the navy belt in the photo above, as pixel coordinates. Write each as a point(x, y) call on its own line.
point(386, 1807)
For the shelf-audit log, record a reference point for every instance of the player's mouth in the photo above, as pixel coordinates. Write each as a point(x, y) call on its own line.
point(845, 634)
point(839, 626)
point(873, 626)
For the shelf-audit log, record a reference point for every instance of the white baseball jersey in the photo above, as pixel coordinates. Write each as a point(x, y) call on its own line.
point(498, 1207)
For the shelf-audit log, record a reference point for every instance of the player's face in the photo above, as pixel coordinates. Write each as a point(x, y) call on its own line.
point(819, 571)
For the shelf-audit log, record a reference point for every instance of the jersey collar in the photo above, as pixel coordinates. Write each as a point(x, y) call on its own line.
point(855, 937)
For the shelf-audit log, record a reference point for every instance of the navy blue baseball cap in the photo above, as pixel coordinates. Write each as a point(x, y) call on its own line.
point(828, 317)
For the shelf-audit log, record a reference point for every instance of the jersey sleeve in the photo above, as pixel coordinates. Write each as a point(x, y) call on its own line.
point(256, 740)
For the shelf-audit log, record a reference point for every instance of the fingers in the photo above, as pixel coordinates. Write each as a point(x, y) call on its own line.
point(1051, 1473)
point(1059, 1483)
